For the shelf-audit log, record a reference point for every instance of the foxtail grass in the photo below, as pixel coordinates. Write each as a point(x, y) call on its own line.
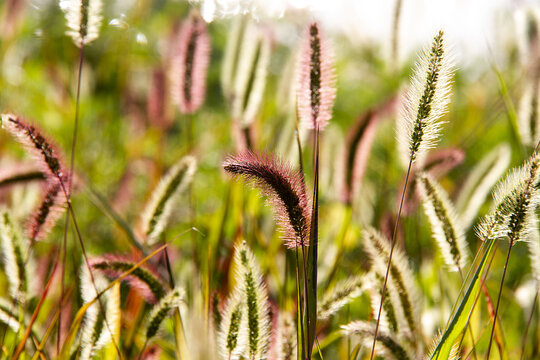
point(160, 206)
point(284, 188)
point(419, 126)
point(445, 223)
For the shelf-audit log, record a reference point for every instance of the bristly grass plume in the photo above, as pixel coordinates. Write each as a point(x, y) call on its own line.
point(143, 279)
point(158, 210)
point(45, 152)
point(425, 102)
point(445, 223)
point(400, 278)
point(161, 310)
point(284, 188)
point(316, 79)
point(391, 344)
point(83, 19)
point(189, 65)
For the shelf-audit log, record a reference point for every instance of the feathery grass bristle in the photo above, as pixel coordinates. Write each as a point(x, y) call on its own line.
point(316, 79)
point(400, 276)
point(284, 188)
point(425, 102)
point(445, 223)
point(516, 199)
point(189, 65)
point(13, 255)
point(143, 279)
point(163, 309)
point(392, 348)
point(51, 208)
point(340, 295)
point(255, 298)
point(231, 343)
point(285, 347)
point(83, 19)
point(44, 151)
point(158, 210)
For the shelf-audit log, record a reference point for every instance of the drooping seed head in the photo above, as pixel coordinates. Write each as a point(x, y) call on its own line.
point(48, 212)
point(44, 151)
point(146, 281)
point(316, 79)
point(83, 19)
point(161, 310)
point(189, 65)
point(425, 102)
point(284, 188)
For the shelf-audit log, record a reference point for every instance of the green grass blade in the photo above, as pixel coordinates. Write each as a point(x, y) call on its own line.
point(461, 317)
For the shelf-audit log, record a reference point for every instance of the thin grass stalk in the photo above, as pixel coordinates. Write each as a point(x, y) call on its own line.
point(311, 268)
point(499, 298)
point(394, 51)
point(526, 333)
point(300, 338)
point(83, 249)
point(514, 226)
point(390, 258)
point(179, 333)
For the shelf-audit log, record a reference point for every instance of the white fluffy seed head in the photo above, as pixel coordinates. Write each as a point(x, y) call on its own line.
point(231, 343)
point(158, 210)
point(425, 102)
point(445, 223)
point(392, 347)
point(83, 19)
point(516, 199)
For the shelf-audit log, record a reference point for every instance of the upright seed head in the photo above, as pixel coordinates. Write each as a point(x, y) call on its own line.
point(445, 223)
point(83, 19)
point(516, 199)
point(316, 79)
point(284, 188)
point(255, 301)
point(425, 102)
point(160, 206)
point(190, 64)
point(231, 344)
